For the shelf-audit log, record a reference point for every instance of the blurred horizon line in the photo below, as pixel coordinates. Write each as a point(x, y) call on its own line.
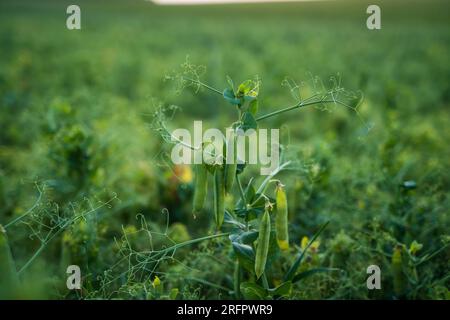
point(212, 2)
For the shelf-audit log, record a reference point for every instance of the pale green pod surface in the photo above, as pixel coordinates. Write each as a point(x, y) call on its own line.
point(200, 187)
point(230, 168)
point(8, 274)
point(219, 197)
point(262, 248)
point(399, 277)
point(281, 219)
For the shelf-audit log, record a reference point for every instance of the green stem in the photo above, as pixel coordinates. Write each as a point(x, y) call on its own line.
point(272, 114)
point(237, 280)
point(208, 283)
point(293, 269)
point(263, 186)
point(204, 85)
point(6, 226)
point(243, 198)
point(264, 281)
point(41, 248)
point(58, 232)
point(431, 255)
point(298, 105)
point(241, 191)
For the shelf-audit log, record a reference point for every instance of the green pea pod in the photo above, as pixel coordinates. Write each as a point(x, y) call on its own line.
point(200, 187)
point(8, 274)
point(219, 196)
point(397, 271)
point(263, 244)
point(230, 168)
point(281, 219)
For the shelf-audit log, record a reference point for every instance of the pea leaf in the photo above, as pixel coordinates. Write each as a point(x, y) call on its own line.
point(249, 193)
point(253, 107)
point(248, 122)
point(173, 293)
point(245, 255)
point(283, 289)
point(245, 87)
point(252, 291)
point(228, 218)
point(228, 94)
point(258, 201)
point(244, 237)
point(240, 168)
point(249, 98)
point(414, 247)
point(230, 83)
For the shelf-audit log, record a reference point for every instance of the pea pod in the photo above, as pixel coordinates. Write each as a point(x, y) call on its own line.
point(397, 271)
point(219, 196)
point(281, 219)
point(262, 248)
point(200, 187)
point(230, 168)
point(8, 275)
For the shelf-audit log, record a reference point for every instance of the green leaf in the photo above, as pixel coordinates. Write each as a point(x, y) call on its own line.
point(244, 237)
point(252, 291)
point(241, 212)
point(228, 94)
point(229, 218)
point(254, 213)
point(245, 87)
point(249, 98)
point(248, 122)
point(230, 83)
point(414, 247)
point(282, 290)
point(249, 194)
point(240, 168)
point(173, 293)
point(245, 255)
point(259, 201)
point(253, 107)
point(308, 273)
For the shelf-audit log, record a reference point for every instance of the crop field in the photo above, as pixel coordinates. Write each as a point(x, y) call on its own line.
point(87, 179)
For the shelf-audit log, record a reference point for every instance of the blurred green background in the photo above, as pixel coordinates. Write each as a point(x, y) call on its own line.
point(75, 118)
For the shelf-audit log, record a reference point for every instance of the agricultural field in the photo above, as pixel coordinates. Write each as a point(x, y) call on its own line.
point(86, 177)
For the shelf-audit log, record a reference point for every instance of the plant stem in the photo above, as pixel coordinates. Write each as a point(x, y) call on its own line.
point(298, 105)
point(27, 212)
point(237, 279)
point(243, 198)
point(241, 191)
point(204, 85)
point(208, 283)
point(264, 281)
point(189, 242)
point(263, 186)
point(58, 232)
point(293, 269)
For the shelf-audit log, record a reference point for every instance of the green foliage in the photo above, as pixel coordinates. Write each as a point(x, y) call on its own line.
point(84, 181)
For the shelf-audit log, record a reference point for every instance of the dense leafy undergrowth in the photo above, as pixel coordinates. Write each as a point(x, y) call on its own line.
point(84, 179)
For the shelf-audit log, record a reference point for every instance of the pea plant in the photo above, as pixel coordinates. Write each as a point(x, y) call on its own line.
point(257, 224)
